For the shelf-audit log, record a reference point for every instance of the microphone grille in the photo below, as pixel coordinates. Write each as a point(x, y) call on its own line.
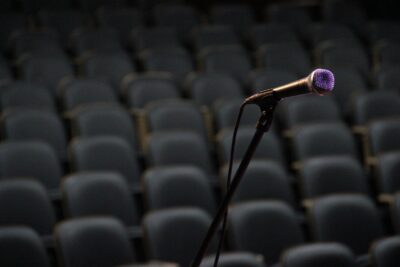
point(323, 79)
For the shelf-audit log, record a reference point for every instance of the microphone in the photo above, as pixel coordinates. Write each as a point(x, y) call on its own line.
point(320, 81)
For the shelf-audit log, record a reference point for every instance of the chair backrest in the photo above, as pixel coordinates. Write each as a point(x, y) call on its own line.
point(332, 175)
point(319, 255)
point(142, 91)
point(47, 70)
point(234, 259)
point(264, 227)
point(179, 148)
point(21, 246)
point(111, 67)
point(334, 218)
point(93, 154)
point(26, 95)
point(31, 159)
point(386, 173)
point(173, 115)
point(386, 252)
point(207, 88)
point(263, 180)
point(182, 186)
point(238, 16)
point(185, 228)
point(310, 109)
point(323, 139)
point(269, 147)
point(99, 194)
point(226, 111)
point(105, 120)
point(95, 241)
point(176, 61)
point(28, 125)
point(383, 136)
point(155, 38)
point(214, 35)
point(366, 110)
point(231, 60)
point(25, 202)
point(84, 92)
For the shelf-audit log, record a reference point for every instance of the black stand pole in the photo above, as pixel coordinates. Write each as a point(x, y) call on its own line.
point(263, 126)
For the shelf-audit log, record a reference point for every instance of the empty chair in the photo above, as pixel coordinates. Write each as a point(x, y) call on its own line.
point(26, 95)
point(332, 175)
point(64, 21)
point(161, 228)
point(288, 56)
point(331, 31)
point(86, 91)
point(386, 252)
point(35, 124)
point(95, 41)
point(207, 88)
point(376, 105)
point(388, 78)
point(98, 194)
point(238, 16)
point(352, 220)
point(104, 120)
point(179, 148)
point(123, 20)
point(338, 55)
point(387, 55)
point(181, 186)
point(264, 79)
point(106, 153)
point(182, 17)
point(350, 13)
point(323, 139)
point(25, 202)
point(230, 60)
point(382, 136)
point(349, 85)
point(176, 61)
point(214, 35)
point(145, 89)
point(384, 31)
point(175, 116)
point(31, 159)
point(264, 227)
point(21, 246)
point(263, 180)
point(95, 241)
point(43, 41)
point(155, 38)
point(319, 255)
point(234, 259)
point(302, 111)
point(271, 33)
point(47, 70)
point(269, 148)
point(111, 68)
point(387, 170)
point(10, 23)
point(226, 111)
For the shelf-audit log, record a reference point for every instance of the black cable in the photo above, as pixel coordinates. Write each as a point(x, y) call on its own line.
point(228, 182)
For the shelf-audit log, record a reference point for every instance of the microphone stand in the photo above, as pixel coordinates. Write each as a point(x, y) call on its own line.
point(267, 106)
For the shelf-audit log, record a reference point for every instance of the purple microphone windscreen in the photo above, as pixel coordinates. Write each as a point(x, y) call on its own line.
point(323, 79)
